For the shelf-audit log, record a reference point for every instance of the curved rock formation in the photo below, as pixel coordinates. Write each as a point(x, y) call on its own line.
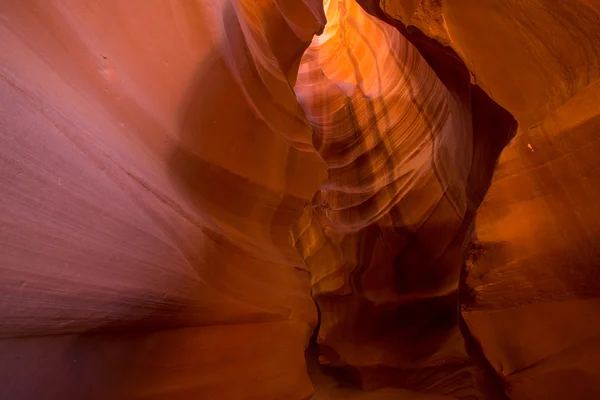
point(532, 273)
point(153, 161)
point(385, 241)
point(177, 179)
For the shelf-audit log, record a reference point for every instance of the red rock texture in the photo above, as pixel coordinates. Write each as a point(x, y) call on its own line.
point(153, 161)
point(178, 178)
point(410, 155)
point(385, 234)
point(532, 278)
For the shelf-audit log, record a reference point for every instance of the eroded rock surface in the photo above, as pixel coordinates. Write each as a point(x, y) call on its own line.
point(532, 276)
point(408, 160)
point(177, 178)
point(153, 161)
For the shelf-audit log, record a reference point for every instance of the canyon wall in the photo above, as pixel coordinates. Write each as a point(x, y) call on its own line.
point(177, 179)
point(385, 236)
point(532, 284)
point(153, 160)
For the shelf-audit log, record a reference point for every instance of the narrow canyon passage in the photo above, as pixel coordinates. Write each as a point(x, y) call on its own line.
point(384, 237)
point(191, 190)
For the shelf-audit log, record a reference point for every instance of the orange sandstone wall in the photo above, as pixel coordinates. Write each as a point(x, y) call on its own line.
point(409, 155)
point(532, 283)
point(153, 158)
point(177, 178)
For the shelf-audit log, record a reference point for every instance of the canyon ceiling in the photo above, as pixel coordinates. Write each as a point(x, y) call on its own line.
point(294, 199)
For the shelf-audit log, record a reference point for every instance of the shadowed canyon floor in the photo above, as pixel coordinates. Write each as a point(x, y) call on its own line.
point(294, 199)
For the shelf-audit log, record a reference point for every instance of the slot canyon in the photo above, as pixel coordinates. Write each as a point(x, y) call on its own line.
point(299, 199)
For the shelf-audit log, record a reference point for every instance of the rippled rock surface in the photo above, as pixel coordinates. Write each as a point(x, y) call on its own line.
point(153, 160)
point(384, 237)
point(181, 182)
point(532, 283)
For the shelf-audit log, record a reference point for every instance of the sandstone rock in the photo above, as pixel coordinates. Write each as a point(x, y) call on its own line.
point(153, 161)
point(177, 179)
point(409, 160)
point(532, 277)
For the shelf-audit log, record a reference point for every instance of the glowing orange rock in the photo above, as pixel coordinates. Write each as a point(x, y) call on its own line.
point(532, 278)
point(176, 179)
point(384, 236)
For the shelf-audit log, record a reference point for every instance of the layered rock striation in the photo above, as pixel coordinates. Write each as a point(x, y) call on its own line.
point(153, 159)
point(181, 182)
point(532, 284)
point(408, 160)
